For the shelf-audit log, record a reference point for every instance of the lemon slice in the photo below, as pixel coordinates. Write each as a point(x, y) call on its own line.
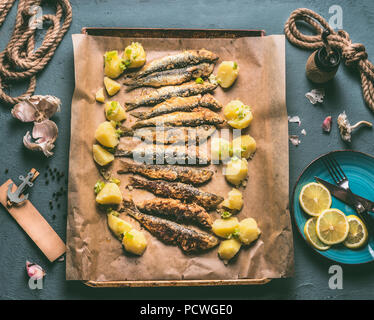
point(311, 235)
point(314, 198)
point(332, 226)
point(358, 233)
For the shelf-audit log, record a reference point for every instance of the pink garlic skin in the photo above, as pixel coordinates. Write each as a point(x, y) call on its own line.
point(34, 271)
point(45, 134)
point(326, 125)
point(36, 108)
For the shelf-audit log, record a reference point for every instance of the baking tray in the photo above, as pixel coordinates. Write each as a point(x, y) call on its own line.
point(173, 33)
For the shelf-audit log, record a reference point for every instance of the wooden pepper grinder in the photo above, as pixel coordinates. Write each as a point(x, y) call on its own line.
point(323, 63)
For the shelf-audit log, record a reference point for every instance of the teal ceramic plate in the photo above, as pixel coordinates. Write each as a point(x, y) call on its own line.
point(359, 168)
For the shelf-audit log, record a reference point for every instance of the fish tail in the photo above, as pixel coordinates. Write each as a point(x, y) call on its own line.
point(130, 106)
point(136, 183)
point(126, 167)
point(138, 114)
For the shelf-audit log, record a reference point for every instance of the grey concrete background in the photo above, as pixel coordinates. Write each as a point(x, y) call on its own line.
point(344, 93)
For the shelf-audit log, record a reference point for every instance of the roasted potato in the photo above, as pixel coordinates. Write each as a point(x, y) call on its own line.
point(117, 225)
point(114, 111)
point(234, 201)
point(110, 194)
point(111, 86)
point(248, 231)
point(134, 241)
point(220, 149)
point(224, 228)
point(228, 249)
point(236, 170)
point(113, 64)
point(100, 96)
point(101, 156)
point(238, 114)
point(134, 55)
point(227, 73)
point(244, 146)
point(106, 134)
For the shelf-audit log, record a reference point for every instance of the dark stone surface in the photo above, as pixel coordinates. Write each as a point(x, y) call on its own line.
point(344, 93)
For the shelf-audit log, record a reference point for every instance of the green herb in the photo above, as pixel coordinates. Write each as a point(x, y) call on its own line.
point(119, 132)
point(235, 66)
point(241, 114)
point(122, 65)
point(127, 62)
point(226, 215)
point(128, 52)
point(99, 185)
point(113, 109)
point(236, 233)
point(128, 235)
point(199, 80)
point(109, 55)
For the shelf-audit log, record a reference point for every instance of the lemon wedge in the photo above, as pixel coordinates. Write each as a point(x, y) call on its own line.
point(311, 235)
point(314, 198)
point(357, 235)
point(332, 226)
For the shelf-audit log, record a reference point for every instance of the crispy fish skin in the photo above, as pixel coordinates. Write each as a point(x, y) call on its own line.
point(180, 104)
point(177, 155)
point(199, 116)
point(177, 210)
point(179, 60)
point(167, 172)
point(172, 135)
point(189, 240)
point(171, 77)
point(178, 190)
point(164, 93)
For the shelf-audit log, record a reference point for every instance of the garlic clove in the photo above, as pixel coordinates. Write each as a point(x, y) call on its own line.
point(25, 112)
point(45, 134)
point(295, 140)
point(315, 96)
point(46, 105)
point(36, 108)
point(34, 271)
point(326, 125)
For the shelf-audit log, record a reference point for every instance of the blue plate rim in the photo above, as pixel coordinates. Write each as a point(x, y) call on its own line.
point(293, 212)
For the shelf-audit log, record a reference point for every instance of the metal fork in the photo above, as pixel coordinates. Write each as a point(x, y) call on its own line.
point(339, 177)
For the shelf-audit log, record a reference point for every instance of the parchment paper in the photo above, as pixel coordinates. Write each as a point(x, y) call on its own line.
point(93, 253)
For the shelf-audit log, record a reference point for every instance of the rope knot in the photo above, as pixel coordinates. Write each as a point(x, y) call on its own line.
point(353, 53)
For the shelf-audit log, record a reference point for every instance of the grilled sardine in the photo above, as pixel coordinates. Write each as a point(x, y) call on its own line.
point(197, 117)
point(164, 93)
point(179, 60)
point(171, 77)
point(178, 190)
point(177, 210)
point(189, 240)
point(180, 104)
point(159, 154)
point(171, 135)
point(167, 172)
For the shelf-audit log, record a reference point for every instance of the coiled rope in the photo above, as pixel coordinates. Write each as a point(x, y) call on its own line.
point(353, 54)
point(20, 60)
